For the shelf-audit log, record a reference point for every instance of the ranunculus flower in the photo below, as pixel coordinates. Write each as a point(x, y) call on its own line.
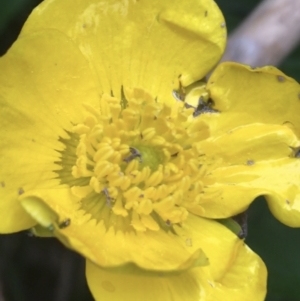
point(112, 141)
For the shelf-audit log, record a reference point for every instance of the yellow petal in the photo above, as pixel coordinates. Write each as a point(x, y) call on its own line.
point(253, 160)
point(110, 286)
point(98, 243)
point(251, 143)
point(40, 212)
point(219, 243)
point(182, 249)
point(244, 95)
point(244, 280)
point(145, 44)
point(234, 273)
point(278, 180)
point(39, 98)
point(13, 216)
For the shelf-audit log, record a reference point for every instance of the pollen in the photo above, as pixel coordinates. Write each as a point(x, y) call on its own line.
point(137, 163)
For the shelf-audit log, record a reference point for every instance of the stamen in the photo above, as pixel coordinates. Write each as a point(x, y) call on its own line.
point(158, 190)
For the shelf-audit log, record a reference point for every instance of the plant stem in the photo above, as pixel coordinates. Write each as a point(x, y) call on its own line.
point(267, 36)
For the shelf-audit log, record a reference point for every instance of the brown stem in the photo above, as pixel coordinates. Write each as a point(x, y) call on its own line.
point(267, 36)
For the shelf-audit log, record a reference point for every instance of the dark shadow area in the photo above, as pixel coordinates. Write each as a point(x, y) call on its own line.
point(13, 14)
point(33, 268)
point(279, 247)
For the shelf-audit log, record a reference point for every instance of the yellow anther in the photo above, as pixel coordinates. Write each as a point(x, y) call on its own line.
point(174, 177)
point(196, 209)
point(91, 110)
point(148, 134)
point(80, 129)
point(167, 154)
point(118, 208)
point(178, 214)
point(149, 193)
point(133, 193)
point(103, 153)
point(193, 166)
point(116, 180)
point(103, 168)
point(164, 190)
point(145, 206)
point(141, 176)
point(116, 158)
point(113, 192)
point(105, 141)
point(96, 185)
point(181, 161)
point(178, 197)
point(90, 121)
point(129, 204)
point(115, 143)
point(154, 179)
point(75, 172)
point(115, 110)
point(149, 222)
point(81, 164)
point(81, 191)
point(131, 166)
point(164, 205)
point(170, 168)
point(96, 133)
point(184, 184)
point(158, 140)
point(81, 147)
point(124, 149)
point(136, 222)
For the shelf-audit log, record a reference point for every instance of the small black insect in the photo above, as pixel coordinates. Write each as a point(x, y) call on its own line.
point(168, 223)
point(204, 107)
point(65, 223)
point(134, 154)
point(297, 153)
point(109, 199)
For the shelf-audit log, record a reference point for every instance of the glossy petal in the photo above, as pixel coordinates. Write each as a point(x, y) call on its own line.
point(110, 286)
point(251, 143)
point(39, 100)
point(264, 164)
point(145, 44)
point(278, 180)
point(94, 242)
point(234, 272)
point(183, 248)
point(244, 95)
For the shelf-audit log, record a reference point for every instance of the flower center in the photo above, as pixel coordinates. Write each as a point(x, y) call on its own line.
point(137, 162)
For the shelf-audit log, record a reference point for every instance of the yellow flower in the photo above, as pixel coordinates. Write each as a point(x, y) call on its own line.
point(99, 150)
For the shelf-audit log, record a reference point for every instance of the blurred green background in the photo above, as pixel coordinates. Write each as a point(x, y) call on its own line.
point(41, 269)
